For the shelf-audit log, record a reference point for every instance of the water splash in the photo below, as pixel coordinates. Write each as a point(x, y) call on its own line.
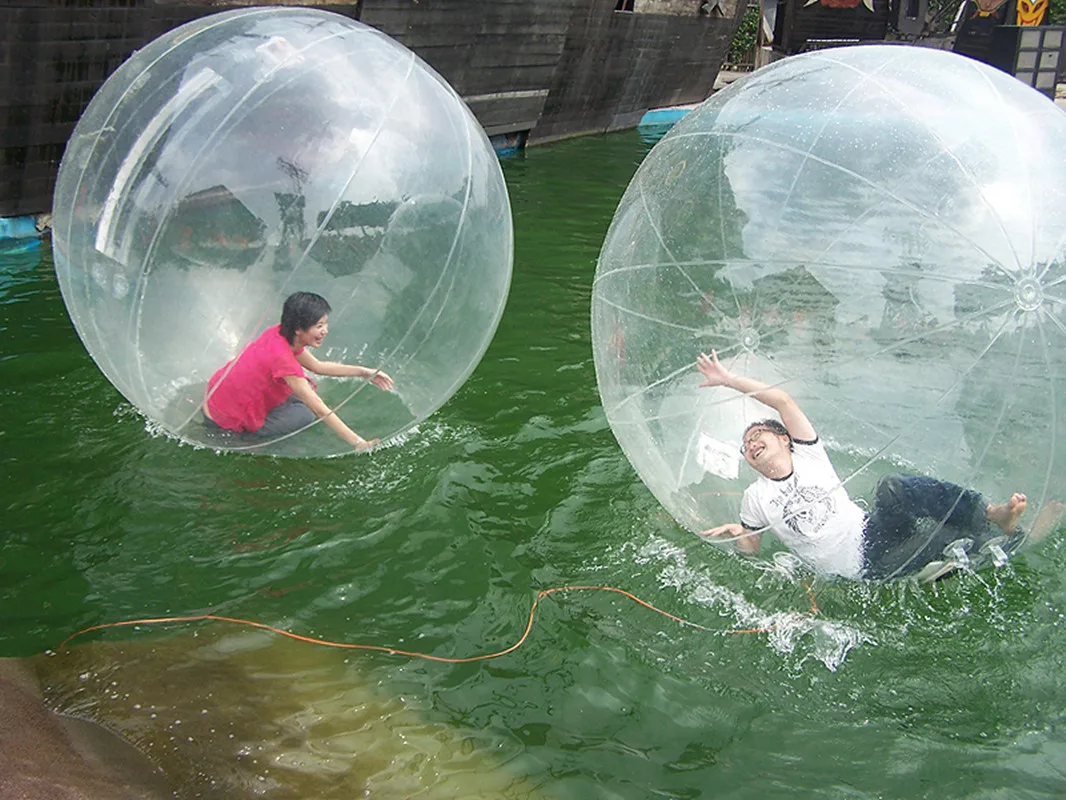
point(788, 632)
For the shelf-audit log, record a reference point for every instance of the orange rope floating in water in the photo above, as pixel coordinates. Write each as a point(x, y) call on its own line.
point(810, 596)
point(395, 651)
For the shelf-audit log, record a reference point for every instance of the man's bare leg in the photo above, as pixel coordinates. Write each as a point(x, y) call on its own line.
point(1047, 520)
point(1007, 515)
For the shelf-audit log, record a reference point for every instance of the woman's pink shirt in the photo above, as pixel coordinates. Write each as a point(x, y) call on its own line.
point(242, 392)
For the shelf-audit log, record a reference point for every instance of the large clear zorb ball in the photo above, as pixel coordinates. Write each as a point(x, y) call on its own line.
point(258, 152)
point(879, 230)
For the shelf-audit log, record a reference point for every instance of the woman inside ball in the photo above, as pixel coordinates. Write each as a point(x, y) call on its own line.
point(265, 391)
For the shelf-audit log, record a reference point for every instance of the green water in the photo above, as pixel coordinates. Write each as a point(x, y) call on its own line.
point(439, 545)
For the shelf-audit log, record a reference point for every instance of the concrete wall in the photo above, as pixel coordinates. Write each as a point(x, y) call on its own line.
point(677, 8)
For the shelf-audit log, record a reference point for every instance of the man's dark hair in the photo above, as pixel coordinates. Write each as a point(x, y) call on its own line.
point(300, 312)
point(770, 425)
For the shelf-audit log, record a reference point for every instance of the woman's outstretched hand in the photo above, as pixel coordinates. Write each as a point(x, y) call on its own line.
point(379, 379)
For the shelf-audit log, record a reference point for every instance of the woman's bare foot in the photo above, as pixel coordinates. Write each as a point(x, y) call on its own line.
point(1007, 515)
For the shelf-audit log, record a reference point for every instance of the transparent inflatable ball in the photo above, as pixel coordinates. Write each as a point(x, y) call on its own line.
point(260, 152)
point(880, 231)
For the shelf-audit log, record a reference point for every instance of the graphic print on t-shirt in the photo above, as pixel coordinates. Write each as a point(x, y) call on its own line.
point(805, 509)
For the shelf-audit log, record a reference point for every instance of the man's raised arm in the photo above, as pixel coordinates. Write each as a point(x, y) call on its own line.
point(795, 421)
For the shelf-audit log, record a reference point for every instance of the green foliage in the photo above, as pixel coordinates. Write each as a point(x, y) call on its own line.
point(1057, 12)
point(940, 15)
point(740, 49)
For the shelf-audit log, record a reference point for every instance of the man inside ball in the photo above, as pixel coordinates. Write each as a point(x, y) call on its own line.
point(264, 390)
point(799, 497)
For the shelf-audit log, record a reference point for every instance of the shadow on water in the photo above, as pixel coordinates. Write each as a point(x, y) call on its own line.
point(233, 714)
point(439, 544)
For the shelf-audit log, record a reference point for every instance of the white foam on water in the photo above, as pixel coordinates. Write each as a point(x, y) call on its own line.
point(787, 632)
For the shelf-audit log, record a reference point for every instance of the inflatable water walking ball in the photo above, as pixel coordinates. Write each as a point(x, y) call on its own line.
point(258, 152)
point(879, 230)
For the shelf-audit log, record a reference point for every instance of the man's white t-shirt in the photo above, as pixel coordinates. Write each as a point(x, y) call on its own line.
point(810, 512)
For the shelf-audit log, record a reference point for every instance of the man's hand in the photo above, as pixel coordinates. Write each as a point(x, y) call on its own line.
point(731, 529)
point(795, 421)
point(747, 541)
point(712, 370)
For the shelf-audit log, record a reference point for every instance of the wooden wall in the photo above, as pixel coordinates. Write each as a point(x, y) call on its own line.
point(54, 55)
point(618, 65)
point(549, 68)
point(560, 68)
point(499, 56)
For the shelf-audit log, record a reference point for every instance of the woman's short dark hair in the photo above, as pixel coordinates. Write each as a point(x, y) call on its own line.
point(300, 312)
point(771, 425)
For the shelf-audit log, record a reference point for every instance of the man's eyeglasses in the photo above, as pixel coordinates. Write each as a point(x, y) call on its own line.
point(751, 437)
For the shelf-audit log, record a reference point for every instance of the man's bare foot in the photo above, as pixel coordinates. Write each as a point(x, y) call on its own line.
point(1047, 520)
point(367, 445)
point(1007, 515)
